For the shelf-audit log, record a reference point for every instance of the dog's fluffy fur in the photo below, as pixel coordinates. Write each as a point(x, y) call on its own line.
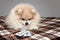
point(21, 14)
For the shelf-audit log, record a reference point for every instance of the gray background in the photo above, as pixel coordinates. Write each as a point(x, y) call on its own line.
point(47, 8)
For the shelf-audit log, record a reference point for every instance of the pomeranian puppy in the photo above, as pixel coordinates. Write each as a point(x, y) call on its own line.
point(23, 16)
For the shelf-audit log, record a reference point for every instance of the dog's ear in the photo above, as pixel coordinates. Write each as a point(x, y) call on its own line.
point(34, 11)
point(18, 11)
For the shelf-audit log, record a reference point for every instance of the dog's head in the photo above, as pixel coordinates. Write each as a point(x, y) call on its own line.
point(26, 15)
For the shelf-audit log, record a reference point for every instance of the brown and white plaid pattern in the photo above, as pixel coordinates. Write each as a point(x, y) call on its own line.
point(49, 30)
point(5, 34)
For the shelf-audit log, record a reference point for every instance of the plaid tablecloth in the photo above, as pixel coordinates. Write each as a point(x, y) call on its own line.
point(49, 30)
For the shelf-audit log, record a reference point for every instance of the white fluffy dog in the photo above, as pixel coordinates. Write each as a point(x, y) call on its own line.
point(23, 16)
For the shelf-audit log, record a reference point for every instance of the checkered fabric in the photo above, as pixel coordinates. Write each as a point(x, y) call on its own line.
point(6, 34)
point(49, 30)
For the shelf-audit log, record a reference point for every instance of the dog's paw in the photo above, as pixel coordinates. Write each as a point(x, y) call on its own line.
point(35, 28)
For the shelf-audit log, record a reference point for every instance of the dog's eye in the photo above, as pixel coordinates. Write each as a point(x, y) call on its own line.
point(29, 19)
point(23, 19)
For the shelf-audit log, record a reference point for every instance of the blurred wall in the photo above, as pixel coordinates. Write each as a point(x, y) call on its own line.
point(47, 8)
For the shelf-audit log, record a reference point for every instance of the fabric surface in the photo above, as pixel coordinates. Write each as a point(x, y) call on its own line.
point(49, 30)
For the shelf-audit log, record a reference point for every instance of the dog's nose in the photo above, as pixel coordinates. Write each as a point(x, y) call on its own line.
point(26, 23)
